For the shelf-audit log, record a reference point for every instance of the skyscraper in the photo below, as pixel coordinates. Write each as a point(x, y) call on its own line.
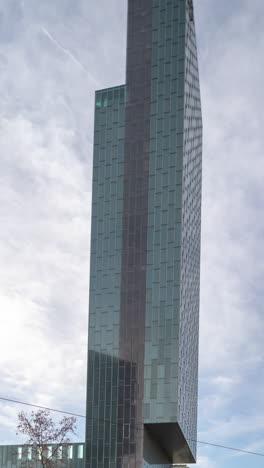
point(145, 248)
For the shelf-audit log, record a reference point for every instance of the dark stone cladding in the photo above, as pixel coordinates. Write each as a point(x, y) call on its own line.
point(134, 236)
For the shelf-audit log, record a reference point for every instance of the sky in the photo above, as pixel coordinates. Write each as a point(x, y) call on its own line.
point(53, 56)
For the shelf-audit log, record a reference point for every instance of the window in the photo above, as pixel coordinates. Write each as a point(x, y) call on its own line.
point(19, 453)
point(122, 95)
point(70, 451)
point(98, 100)
point(80, 451)
point(29, 453)
point(59, 453)
point(104, 100)
point(49, 451)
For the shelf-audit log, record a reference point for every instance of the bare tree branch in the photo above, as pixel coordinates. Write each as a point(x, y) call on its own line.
point(45, 439)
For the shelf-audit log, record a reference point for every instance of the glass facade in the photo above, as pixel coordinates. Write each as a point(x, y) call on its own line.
point(15, 456)
point(105, 278)
point(145, 248)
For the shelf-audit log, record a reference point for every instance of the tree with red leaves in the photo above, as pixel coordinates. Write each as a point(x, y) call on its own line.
point(46, 441)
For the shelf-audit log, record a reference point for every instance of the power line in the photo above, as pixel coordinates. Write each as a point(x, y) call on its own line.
point(83, 416)
point(226, 447)
point(43, 407)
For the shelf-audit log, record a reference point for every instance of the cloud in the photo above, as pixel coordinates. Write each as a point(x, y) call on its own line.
point(45, 250)
point(47, 83)
point(65, 51)
point(231, 326)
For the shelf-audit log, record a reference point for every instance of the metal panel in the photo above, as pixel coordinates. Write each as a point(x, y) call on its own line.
point(135, 220)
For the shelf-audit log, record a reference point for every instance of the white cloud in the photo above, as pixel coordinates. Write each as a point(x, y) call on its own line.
point(46, 133)
point(44, 277)
point(65, 51)
point(231, 323)
point(231, 344)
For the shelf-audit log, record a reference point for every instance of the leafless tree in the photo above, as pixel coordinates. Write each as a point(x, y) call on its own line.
point(47, 441)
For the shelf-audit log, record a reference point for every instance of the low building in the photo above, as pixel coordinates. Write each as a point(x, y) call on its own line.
point(72, 456)
point(19, 456)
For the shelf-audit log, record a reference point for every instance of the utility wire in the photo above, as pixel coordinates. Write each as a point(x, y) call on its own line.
point(228, 448)
point(82, 416)
point(42, 407)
